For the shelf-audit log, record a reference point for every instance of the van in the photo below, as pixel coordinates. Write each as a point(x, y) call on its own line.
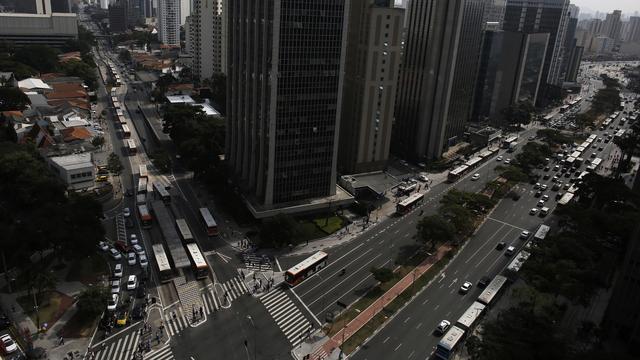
point(544, 211)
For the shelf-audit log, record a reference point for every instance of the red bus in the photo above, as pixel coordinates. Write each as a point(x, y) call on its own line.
point(209, 222)
point(145, 216)
point(306, 268)
point(409, 203)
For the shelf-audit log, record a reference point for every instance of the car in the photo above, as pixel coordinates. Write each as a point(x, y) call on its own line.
point(563, 170)
point(442, 327)
point(540, 203)
point(115, 286)
point(507, 162)
point(5, 323)
point(536, 186)
point(465, 287)
point(547, 168)
point(600, 148)
point(501, 245)
point(112, 304)
point(115, 254)
point(423, 178)
point(544, 211)
point(126, 212)
point(546, 177)
point(484, 281)
point(117, 270)
point(102, 178)
point(567, 174)
point(545, 197)
point(566, 186)
point(554, 179)
point(475, 177)
point(499, 158)
point(131, 258)
point(133, 239)
point(544, 187)
point(556, 186)
point(132, 282)
point(142, 259)
point(537, 194)
point(599, 139)
point(559, 195)
point(524, 235)
point(556, 168)
point(533, 211)
point(8, 345)
point(510, 251)
point(138, 249)
point(102, 245)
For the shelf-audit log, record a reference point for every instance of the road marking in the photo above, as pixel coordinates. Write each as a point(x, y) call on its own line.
point(436, 307)
point(321, 282)
point(413, 352)
point(453, 282)
point(397, 347)
point(224, 257)
point(418, 326)
point(407, 319)
point(487, 242)
point(385, 340)
point(504, 223)
point(333, 262)
point(424, 302)
point(442, 277)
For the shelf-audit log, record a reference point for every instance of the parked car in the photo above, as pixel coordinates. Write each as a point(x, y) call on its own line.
point(102, 245)
point(133, 239)
point(126, 212)
point(501, 245)
point(142, 259)
point(117, 270)
point(122, 246)
point(112, 304)
point(484, 281)
point(132, 282)
point(524, 235)
point(510, 251)
point(115, 286)
point(533, 211)
point(115, 254)
point(131, 258)
point(139, 250)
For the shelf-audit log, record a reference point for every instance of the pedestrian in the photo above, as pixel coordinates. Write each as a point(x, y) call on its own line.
point(61, 341)
point(241, 274)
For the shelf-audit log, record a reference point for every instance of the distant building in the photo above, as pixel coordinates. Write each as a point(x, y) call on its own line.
point(373, 59)
point(38, 29)
point(169, 22)
point(118, 12)
point(510, 70)
point(542, 16)
point(633, 33)
point(76, 171)
point(612, 26)
point(209, 38)
point(283, 103)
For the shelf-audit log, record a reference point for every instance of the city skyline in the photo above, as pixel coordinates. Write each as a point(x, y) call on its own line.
point(628, 7)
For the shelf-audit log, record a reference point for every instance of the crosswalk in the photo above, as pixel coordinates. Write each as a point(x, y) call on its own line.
point(161, 354)
point(286, 314)
point(234, 288)
point(122, 349)
point(253, 262)
point(175, 321)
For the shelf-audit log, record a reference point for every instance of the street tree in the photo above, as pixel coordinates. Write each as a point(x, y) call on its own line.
point(92, 301)
point(114, 164)
point(43, 58)
point(382, 274)
point(13, 99)
point(279, 231)
point(519, 113)
point(98, 141)
point(433, 230)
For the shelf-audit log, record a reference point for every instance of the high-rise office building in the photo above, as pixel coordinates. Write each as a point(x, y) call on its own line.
point(494, 12)
point(374, 41)
point(510, 70)
point(118, 13)
point(437, 75)
point(542, 16)
point(169, 22)
point(208, 26)
point(633, 32)
point(43, 6)
point(570, 44)
point(612, 25)
point(284, 81)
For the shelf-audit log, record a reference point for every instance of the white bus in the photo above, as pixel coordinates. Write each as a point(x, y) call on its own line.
point(306, 268)
point(142, 171)
point(409, 203)
point(126, 133)
point(595, 164)
point(541, 233)
point(131, 146)
point(165, 272)
point(209, 222)
point(457, 173)
point(471, 316)
point(449, 343)
point(565, 199)
point(161, 191)
point(198, 264)
point(184, 231)
point(489, 293)
point(142, 185)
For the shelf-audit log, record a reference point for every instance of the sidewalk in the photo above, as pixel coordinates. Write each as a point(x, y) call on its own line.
point(333, 344)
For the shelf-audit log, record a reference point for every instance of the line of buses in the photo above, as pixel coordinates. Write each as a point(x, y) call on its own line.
point(457, 334)
point(119, 118)
point(455, 174)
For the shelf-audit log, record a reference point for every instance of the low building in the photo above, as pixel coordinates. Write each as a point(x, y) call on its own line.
point(38, 29)
point(34, 84)
point(77, 170)
point(180, 99)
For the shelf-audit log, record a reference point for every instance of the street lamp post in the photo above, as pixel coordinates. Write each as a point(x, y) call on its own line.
point(254, 336)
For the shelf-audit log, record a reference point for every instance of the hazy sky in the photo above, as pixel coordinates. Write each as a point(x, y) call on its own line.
point(627, 6)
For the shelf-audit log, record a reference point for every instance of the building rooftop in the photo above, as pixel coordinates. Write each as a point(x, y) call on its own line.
point(74, 161)
point(208, 109)
point(33, 83)
point(378, 182)
point(180, 99)
point(75, 134)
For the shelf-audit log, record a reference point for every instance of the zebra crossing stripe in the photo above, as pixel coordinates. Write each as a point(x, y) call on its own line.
point(215, 300)
point(132, 345)
point(206, 304)
point(274, 299)
point(291, 320)
point(161, 354)
point(242, 286)
point(295, 329)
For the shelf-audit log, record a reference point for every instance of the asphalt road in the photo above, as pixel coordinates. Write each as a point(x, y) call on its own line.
point(410, 333)
point(377, 247)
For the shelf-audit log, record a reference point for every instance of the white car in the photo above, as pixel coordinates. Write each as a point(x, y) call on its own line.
point(117, 270)
point(8, 344)
point(112, 304)
point(133, 239)
point(131, 258)
point(143, 261)
point(507, 162)
point(533, 211)
point(475, 177)
point(465, 287)
point(510, 251)
point(102, 245)
point(524, 235)
point(442, 327)
point(132, 282)
point(126, 212)
point(544, 187)
point(138, 249)
point(115, 254)
point(115, 287)
point(545, 197)
point(499, 158)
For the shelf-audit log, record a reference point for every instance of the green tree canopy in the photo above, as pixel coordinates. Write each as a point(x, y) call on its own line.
point(279, 231)
point(434, 229)
point(92, 301)
point(40, 57)
point(519, 113)
point(82, 70)
point(13, 99)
